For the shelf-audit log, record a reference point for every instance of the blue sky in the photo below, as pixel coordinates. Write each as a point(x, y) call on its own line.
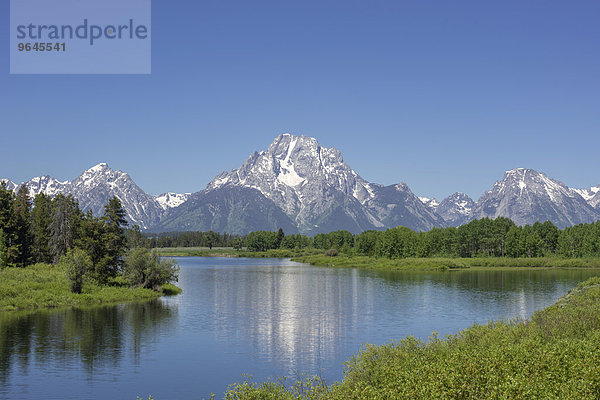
point(444, 96)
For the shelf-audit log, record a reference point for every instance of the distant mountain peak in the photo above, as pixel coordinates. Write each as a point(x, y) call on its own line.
point(99, 168)
point(315, 188)
point(300, 185)
point(429, 202)
point(527, 196)
point(591, 195)
point(456, 209)
point(172, 200)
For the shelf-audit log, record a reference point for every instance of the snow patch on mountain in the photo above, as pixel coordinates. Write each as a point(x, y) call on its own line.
point(591, 195)
point(171, 200)
point(431, 203)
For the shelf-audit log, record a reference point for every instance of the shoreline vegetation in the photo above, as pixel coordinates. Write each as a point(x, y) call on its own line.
point(320, 258)
point(483, 243)
point(553, 354)
point(53, 255)
point(44, 286)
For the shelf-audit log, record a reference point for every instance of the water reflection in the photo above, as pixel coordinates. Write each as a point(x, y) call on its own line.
point(95, 337)
point(261, 316)
point(312, 319)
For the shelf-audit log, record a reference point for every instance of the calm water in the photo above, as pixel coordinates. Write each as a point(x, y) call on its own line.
point(268, 317)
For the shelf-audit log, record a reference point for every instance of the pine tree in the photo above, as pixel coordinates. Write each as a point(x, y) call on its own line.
point(23, 239)
point(280, 237)
point(64, 225)
point(7, 221)
point(41, 218)
point(113, 239)
point(3, 250)
point(114, 213)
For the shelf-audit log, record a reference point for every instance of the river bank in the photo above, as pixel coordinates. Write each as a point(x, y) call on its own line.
point(554, 354)
point(318, 257)
point(442, 264)
point(42, 286)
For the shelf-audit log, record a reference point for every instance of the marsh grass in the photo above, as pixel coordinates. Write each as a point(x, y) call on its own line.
point(42, 286)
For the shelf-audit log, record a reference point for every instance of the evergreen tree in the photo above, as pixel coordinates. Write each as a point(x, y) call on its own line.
point(3, 250)
point(41, 218)
point(92, 239)
point(64, 225)
point(114, 213)
point(8, 222)
point(113, 239)
point(135, 238)
point(23, 239)
point(280, 236)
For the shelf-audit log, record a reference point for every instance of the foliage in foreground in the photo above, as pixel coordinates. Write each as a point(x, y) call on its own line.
point(553, 355)
point(46, 286)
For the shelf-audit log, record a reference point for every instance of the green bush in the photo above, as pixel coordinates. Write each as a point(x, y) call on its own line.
point(145, 268)
point(76, 263)
point(332, 253)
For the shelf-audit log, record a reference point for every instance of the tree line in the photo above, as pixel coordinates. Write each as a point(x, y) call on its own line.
point(55, 230)
point(486, 237)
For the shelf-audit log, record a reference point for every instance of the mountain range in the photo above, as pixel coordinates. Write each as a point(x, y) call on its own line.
point(301, 186)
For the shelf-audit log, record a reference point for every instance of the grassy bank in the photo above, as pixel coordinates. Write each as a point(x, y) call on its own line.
point(230, 252)
point(46, 286)
point(553, 355)
point(317, 257)
point(440, 264)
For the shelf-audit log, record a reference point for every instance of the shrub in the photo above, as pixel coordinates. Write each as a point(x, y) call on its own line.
point(76, 263)
point(332, 253)
point(145, 268)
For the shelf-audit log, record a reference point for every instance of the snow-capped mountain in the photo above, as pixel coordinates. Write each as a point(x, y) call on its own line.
point(9, 184)
point(527, 196)
point(301, 186)
point(47, 185)
point(430, 203)
point(591, 196)
point(315, 188)
point(95, 186)
point(171, 200)
point(456, 209)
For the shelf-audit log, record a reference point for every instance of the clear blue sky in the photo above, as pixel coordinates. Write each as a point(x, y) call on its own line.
point(443, 95)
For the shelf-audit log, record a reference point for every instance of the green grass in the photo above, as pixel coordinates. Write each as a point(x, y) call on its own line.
point(441, 264)
point(553, 355)
point(46, 286)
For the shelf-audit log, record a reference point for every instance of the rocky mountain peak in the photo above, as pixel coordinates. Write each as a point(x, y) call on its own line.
point(431, 203)
point(591, 195)
point(527, 196)
point(456, 209)
point(172, 200)
point(47, 185)
point(315, 188)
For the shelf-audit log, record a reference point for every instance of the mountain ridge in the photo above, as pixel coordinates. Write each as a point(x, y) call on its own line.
point(308, 188)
